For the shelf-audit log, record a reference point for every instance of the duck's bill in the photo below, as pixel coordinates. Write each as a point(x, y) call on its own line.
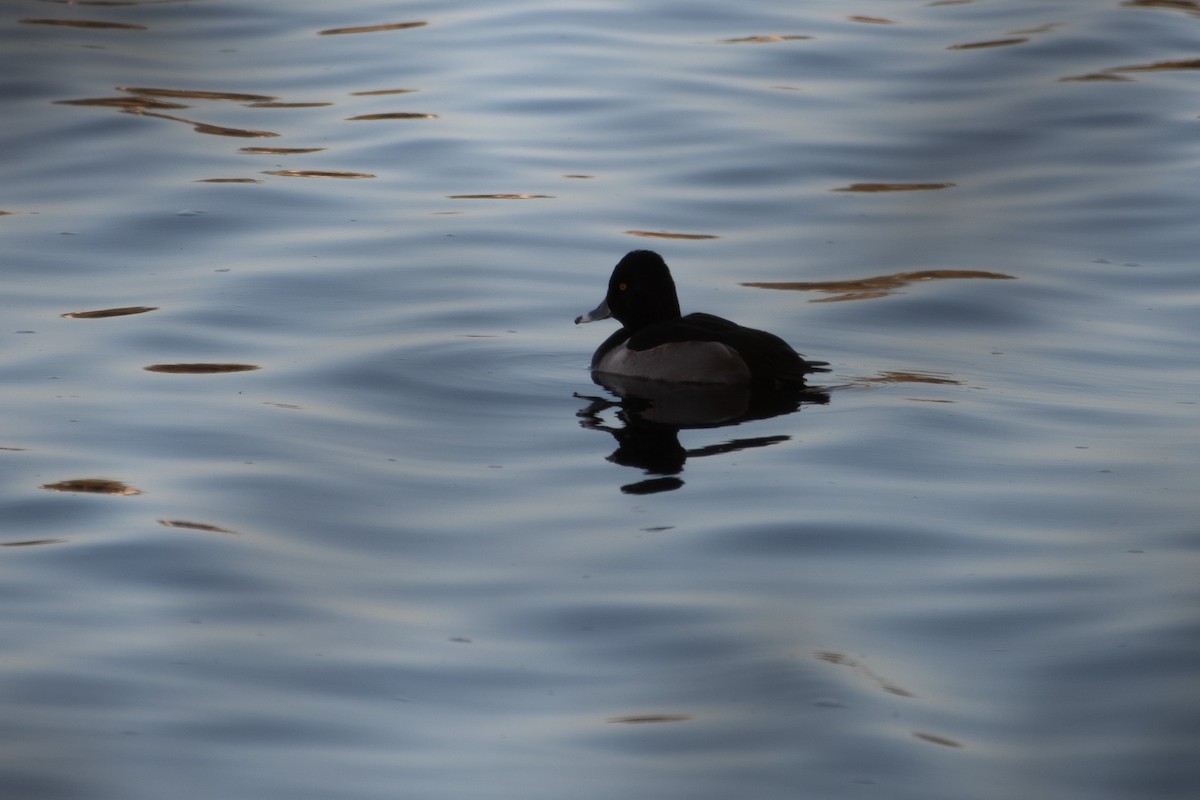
point(599, 312)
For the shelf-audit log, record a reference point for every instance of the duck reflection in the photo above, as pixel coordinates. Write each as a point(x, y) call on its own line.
point(652, 413)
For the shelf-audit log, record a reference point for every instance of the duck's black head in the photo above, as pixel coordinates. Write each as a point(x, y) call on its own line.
point(641, 291)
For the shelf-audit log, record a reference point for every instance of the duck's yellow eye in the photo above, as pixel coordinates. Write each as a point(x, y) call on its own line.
point(622, 286)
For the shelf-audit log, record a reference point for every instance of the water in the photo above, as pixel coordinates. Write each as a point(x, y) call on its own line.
point(417, 552)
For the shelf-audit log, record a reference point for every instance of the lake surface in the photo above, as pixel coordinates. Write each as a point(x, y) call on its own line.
point(308, 492)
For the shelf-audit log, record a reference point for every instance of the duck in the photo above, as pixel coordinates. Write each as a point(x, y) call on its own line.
point(657, 342)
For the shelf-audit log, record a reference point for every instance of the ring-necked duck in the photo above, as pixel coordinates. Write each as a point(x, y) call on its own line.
point(657, 342)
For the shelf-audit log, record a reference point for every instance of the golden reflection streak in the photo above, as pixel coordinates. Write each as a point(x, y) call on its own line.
point(842, 660)
point(193, 94)
point(280, 151)
point(92, 486)
point(195, 526)
point(1047, 28)
point(121, 102)
point(391, 26)
point(500, 196)
point(894, 187)
point(392, 115)
point(934, 739)
point(1189, 63)
point(879, 286)
point(281, 104)
point(199, 369)
point(991, 43)
point(664, 235)
point(764, 39)
point(218, 130)
point(1190, 6)
point(374, 92)
point(84, 23)
point(204, 127)
point(934, 378)
point(1095, 76)
point(110, 312)
point(316, 173)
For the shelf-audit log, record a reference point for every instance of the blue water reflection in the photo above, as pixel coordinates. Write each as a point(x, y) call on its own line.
point(417, 551)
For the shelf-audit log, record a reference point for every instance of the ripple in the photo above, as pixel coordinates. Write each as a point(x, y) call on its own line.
point(880, 286)
point(1161, 66)
point(392, 115)
point(1189, 6)
point(317, 173)
point(935, 739)
point(204, 127)
point(219, 130)
point(281, 151)
point(283, 104)
point(894, 187)
point(935, 378)
point(194, 94)
point(200, 369)
point(989, 43)
point(665, 235)
point(1047, 28)
point(1095, 76)
point(123, 311)
point(122, 102)
point(389, 26)
point(500, 196)
point(770, 39)
point(375, 92)
point(863, 671)
point(92, 486)
point(85, 23)
point(141, 103)
point(196, 526)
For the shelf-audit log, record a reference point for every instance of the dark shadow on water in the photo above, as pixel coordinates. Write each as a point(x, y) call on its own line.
point(652, 413)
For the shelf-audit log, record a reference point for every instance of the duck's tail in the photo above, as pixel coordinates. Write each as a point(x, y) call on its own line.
point(815, 366)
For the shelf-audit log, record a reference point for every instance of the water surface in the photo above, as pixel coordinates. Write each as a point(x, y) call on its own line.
point(308, 491)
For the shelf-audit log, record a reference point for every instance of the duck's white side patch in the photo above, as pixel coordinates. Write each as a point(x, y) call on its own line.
point(680, 362)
